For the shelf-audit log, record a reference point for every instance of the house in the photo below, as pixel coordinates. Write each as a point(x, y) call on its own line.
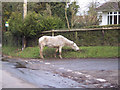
point(110, 13)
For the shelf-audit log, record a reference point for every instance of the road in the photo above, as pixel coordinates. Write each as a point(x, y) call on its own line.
point(86, 64)
point(65, 73)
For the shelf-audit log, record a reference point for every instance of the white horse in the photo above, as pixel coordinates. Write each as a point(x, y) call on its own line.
point(56, 42)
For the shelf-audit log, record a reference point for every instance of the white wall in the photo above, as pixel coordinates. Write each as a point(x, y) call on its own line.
point(104, 18)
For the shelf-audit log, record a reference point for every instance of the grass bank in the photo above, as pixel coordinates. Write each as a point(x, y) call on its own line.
point(85, 52)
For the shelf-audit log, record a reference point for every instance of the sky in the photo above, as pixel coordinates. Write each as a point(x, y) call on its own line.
point(84, 4)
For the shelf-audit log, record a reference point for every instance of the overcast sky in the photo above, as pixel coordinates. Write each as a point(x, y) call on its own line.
point(84, 4)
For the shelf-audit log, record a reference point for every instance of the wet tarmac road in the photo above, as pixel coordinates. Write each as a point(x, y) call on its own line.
point(67, 73)
point(86, 64)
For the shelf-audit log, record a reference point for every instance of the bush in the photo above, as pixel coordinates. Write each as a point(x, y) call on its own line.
point(15, 24)
point(49, 23)
point(103, 26)
point(35, 23)
point(32, 25)
point(79, 25)
point(93, 38)
point(12, 37)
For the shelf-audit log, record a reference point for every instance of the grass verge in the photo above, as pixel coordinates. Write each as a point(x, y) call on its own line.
point(85, 52)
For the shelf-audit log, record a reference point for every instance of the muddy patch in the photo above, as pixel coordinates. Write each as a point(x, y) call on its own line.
point(20, 65)
point(89, 80)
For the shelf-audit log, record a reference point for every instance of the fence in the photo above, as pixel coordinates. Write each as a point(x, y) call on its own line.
point(90, 36)
point(83, 37)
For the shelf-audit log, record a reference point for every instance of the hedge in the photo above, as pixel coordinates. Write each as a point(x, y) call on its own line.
point(105, 26)
point(92, 38)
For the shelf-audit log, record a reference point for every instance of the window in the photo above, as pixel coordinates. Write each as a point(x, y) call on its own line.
point(119, 19)
point(113, 17)
point(110, 19)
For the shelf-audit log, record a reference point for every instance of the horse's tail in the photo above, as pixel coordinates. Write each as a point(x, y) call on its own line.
point(39, 42)
point(40, 47)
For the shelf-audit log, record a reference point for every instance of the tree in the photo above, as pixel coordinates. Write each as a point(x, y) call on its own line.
point(119, 4)
point(27, 27)
point(92, 14)
point(48, 10)
point(55, 9)
point(8, 8)
point(68, 25)
point(91, 18)
point(15, 24)
point(73, 8)
point(58, 9)
point(33, 24)
point(37, 7)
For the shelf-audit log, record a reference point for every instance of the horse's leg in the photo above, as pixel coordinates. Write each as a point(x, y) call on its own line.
point(60, 51)
point(41, 50)
point(41, 55)
point(56, 52)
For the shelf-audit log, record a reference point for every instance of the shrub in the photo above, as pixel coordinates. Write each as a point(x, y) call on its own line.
point(93, 38)
point(33, 24)
point(49, 23)
point(30, 26)
point(103, 26)
point(15, 24)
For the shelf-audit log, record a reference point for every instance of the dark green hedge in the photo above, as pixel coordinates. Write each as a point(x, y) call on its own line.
point(93, 38)
point(103, 26)
point(84, 38)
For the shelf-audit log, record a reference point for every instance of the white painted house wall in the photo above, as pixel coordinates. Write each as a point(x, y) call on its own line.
point(104, 18)
point(109, 13)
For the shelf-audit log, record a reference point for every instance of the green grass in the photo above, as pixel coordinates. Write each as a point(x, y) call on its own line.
point(85, 52)
point(93, 52)
point(11, 51)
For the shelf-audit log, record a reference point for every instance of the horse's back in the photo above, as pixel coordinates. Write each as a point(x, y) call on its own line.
point(43, 38)
point(50, 37)
point(52, 40)
point(60, 36)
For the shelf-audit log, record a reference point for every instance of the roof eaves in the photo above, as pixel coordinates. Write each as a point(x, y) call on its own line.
point(109, 6)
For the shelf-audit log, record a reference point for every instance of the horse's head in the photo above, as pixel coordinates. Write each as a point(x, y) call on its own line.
point(75, 47)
